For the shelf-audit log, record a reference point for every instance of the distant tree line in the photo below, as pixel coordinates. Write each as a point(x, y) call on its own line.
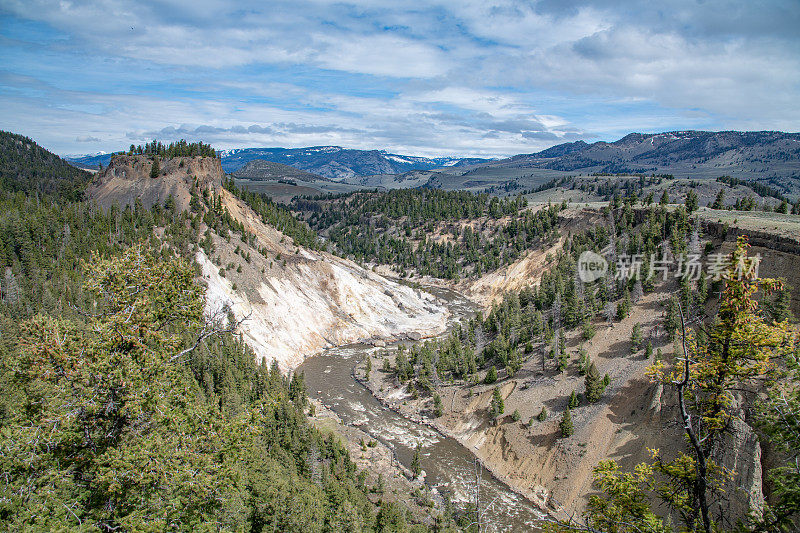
point(758, 188)
point(180, 148)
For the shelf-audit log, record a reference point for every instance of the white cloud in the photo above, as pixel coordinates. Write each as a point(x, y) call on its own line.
point(475, 76)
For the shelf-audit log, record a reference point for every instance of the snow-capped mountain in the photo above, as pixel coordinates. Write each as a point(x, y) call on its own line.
point(335, 162)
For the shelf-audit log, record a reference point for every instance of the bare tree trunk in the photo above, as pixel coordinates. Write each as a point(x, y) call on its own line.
point(700, 482)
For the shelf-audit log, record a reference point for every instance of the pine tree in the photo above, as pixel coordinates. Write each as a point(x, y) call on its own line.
point(588, 329)
point(566, 424)
point(542, 416)
point(491, 376)
point(416, 461)
point(437, 405)
point(691, 201)
point(636, 337)
point(583, 361)
point(719, 202)
point(155, 170)
point(593, 383)
point(573, 400)
point(497, 406)
point(778, 305)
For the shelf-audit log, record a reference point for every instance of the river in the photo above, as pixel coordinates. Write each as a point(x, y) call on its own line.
point(448, 465)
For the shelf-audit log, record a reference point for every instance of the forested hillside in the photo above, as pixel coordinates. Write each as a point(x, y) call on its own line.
point(430, 232)
point(27, 167)
point(122, 407)
point(701, 370)
point(534, 319)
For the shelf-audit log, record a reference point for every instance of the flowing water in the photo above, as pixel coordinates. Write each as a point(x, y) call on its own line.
point(448, 465)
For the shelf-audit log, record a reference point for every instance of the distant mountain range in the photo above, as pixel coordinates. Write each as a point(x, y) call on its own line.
point(90, 161)
point(338, 163)
point(752, 154)
point(762, 155)
point(332, 162)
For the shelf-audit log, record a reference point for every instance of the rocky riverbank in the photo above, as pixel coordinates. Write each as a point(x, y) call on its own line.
point(384, 475)
point(398, 400)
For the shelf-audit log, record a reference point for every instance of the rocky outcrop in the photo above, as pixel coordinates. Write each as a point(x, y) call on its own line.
point(297, 302)
point(292, 302)
point(128, 177)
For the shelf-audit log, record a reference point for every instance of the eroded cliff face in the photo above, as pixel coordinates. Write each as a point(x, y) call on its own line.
point(127, 177)
point(296, 302)
point(292, 302)
point(528, 270)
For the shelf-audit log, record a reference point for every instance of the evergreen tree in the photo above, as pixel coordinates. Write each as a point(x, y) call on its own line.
point(691, 201)
point(593, 384)
point(588, 329)
point(636, 337)
point(573, 400)
point(566, 424)
point(777, 305)
point(155, 170)
point(719, 201)
point(497, 406)
point(416, 461)
point(491, 376)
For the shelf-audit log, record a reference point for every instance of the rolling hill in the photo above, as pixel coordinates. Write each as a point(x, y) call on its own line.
point(260, 169)
point(27, 167)
point(766, 156)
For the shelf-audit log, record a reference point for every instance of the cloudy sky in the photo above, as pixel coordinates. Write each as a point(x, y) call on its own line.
point(463, 77)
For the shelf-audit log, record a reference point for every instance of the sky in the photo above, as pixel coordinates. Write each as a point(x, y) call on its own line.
point(463, 78)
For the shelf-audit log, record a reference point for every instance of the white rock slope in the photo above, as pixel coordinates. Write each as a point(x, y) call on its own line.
point(307, 301)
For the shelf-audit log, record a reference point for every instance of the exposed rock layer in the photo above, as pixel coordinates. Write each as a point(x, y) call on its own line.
point(295, 302)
